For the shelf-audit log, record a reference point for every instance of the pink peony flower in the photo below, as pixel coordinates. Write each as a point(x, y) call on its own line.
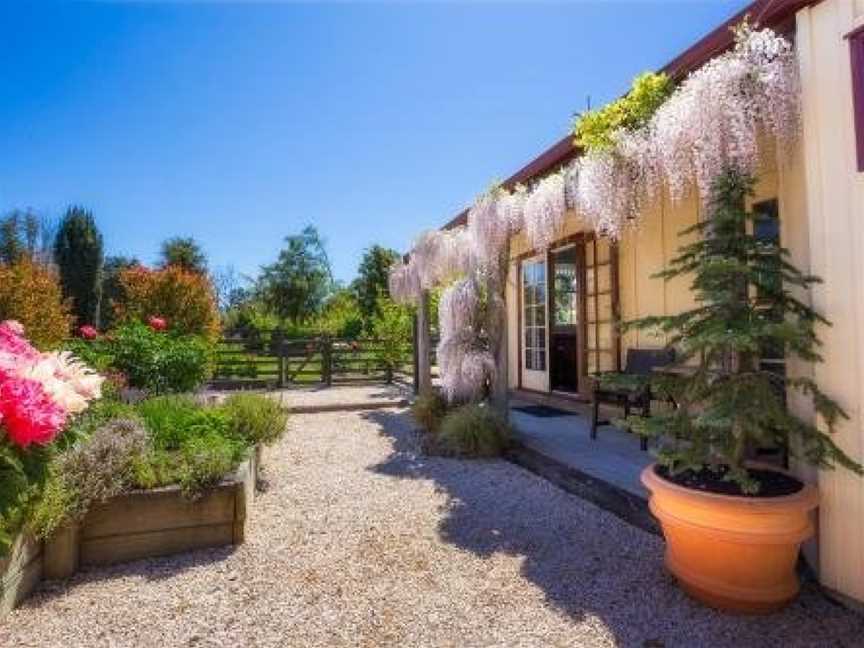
point(28, 414)
point(88, 332)
point(157, 323)
point(13, 342)
point(15, 326)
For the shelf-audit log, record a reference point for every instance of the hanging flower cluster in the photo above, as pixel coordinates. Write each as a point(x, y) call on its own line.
point(492, 220)
point(39, 391)
point(711, 122)
point(466, 367)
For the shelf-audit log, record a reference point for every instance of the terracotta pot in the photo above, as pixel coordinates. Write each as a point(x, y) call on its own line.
point(733, 553)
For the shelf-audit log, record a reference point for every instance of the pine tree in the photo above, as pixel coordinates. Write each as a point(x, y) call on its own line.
point(729, 404)
point(79, 257)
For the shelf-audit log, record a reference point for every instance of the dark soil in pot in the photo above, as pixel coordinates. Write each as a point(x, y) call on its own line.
point(711, 480)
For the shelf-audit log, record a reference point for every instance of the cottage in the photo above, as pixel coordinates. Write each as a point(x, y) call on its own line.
point(563, 300)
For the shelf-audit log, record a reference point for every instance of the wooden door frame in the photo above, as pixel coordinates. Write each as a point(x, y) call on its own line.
point(580, 239)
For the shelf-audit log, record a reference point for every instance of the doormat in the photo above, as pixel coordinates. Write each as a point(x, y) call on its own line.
point(544, 411)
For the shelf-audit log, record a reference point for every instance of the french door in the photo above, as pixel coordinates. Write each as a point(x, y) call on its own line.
point(568, 315)
point(535, 349)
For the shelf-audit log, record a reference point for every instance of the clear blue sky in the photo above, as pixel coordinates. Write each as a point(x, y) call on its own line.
point(239, 123)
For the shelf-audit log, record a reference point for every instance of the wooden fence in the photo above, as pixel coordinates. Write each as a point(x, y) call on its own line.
point(268, 359)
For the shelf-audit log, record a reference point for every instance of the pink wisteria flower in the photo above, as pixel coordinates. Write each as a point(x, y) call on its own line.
point(28, 415)
point(157, 323)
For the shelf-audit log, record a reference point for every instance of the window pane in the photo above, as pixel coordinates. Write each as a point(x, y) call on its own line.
point(603, 248)
point(606, 361)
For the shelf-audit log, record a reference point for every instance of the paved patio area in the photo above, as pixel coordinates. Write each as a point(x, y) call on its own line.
point(359, 540)
point(614, 457)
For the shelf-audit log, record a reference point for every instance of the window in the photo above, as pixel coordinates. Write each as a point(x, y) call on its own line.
point(856, 46)
point(766, 228)
point(601, 297)
point(534, 314)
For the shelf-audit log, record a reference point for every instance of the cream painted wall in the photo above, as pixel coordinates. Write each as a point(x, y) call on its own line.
point(835, 208)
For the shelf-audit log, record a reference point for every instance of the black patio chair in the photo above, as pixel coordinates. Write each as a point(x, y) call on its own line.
point(631, 387)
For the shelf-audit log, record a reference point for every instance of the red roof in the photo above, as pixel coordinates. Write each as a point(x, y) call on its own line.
point(777, 14)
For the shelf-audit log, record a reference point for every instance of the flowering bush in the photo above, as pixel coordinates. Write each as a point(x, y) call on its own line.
point(38, 391)
point(160, 362)
point(185, 300)
point(30, 293)
point(39, 394)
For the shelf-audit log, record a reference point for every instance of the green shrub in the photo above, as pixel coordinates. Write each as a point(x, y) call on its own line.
point(255, 418)
point(473, 431)
point(168, 419)
point(429, 409)
point(191, 444)
point(22, 479)
point(207, 459)
point(92, 471)
point(595, 130)
point(161, 362)
point(94, 353)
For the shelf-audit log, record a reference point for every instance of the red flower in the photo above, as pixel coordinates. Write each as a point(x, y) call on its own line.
point(28, 414)
point(88, 332)
point(157, 323)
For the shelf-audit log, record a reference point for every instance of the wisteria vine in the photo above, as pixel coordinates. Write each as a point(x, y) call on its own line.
point(711, 122)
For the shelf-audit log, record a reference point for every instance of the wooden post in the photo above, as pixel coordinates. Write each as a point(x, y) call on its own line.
point(281, 381)
point(415, 356)
point(327, 361)
point(423, 345)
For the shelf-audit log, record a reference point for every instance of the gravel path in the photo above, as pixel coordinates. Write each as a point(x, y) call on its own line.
point(359, 542)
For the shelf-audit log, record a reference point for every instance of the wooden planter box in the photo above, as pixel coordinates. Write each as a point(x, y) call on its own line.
point(20, 572)
point(141, 524)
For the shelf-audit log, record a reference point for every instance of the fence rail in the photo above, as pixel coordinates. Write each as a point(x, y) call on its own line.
point(268, 358)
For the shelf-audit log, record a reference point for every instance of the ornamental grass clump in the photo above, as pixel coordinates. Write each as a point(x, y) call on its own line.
point(473, 431)
point(730, 404)
point(428, 410)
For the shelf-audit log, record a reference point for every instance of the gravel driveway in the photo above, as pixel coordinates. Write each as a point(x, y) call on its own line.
point(359, 542)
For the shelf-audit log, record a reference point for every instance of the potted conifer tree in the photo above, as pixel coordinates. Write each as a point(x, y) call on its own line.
point(734, 527)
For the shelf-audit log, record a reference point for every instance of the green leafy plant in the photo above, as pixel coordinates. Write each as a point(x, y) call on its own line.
point(392, 331)
point(22, 479)
point(256, 418)
point(161, 362)
point(474, 430)
point(595, 129)
point(730, 404)
point(207, 459)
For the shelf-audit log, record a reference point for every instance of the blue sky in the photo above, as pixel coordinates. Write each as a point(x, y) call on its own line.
point(239, 123)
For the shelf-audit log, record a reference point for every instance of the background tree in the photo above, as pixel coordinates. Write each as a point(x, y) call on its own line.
point(112, 287)
point(184, 299)
point(371, 281)
point(184, 252)
point(24, 233)
point(79, 257)
point(295, 286)
point(30, 293)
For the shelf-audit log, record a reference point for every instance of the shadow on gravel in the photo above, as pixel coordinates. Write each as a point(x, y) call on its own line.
point(589, 563)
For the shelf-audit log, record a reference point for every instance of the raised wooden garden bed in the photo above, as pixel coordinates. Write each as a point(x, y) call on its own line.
point(141, 524)
point(20, 572)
